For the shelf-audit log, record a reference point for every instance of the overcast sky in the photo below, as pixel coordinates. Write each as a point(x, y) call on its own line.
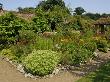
point(95, 6)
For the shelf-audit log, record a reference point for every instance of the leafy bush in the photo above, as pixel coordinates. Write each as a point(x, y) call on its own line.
point(26, 36)
point(65, 37)
point(40, 22)
point(74, 54)
point(21, 51)
point(7, 53)
point(90, 45)
point(107, 34)
point(41, 62)
point(76, 48)
point(10, 24)
point(102, 45)
point(24, 45)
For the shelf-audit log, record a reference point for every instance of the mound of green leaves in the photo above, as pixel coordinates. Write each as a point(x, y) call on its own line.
point(41, 62)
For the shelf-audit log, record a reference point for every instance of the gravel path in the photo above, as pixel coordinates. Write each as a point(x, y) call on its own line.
point(9, 74)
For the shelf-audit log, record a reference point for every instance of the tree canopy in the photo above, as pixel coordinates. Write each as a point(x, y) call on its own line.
point(79, 11)
point(26, 10)
point(49, 5)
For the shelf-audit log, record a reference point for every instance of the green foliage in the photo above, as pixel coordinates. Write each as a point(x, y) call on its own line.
point(26, 10)
point(102, 45)
point(7, 53)
point(88, 35)
point(43, 20)
point(41, 62)
point(24, 45)
point(78, 23)
point(79, 11)
point(9, 27)
point(75, 54)
point(43, 43)
point(108, 45)
point(58, 14)
point(76, 48)
point(96, 16)
point(74, 37)
point(93, 16)
point(21, 51)
point(26, 37)
point(107, 33)
point(49, 5)
point(90, 45)
point(40, 24)
point(7, 18)
point(88, 42)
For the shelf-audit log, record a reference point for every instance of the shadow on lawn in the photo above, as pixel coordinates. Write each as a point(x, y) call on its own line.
point(101, 75)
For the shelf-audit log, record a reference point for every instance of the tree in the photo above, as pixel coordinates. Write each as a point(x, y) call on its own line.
point(93, 16)
point(49, 4)
point(26, 10)
point(79, 11)
point(20, 9)
point(105, 15)
point(1, 6)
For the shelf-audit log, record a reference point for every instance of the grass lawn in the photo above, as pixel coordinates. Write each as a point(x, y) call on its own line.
point(101, 75)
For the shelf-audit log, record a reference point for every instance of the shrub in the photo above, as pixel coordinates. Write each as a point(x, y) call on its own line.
point(26, 36)
point(40, 22)
point(102, 45)
point(10, 24)
point(90, 45)
point(41, 62)
point(7, 53)
point(76, 48)
point(74, 54)
point(21, 51)
point(107, 34)
point(65, 37)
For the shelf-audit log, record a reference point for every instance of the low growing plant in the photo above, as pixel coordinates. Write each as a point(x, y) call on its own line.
point(43, 43)
point(7, 53)
point(74, 54)
point(41, 62)
point(102, 45)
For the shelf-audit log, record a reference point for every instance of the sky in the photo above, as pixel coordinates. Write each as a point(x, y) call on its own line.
point(94, 6)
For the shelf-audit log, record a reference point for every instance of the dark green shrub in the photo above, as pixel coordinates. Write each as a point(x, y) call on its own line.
point(21, 51)
point(74, 54)
point(10, 24)
point(102, 45)
point(24, 45)
point(41, 62)
point(26, 37)
point(40, 22)
point(90, 45)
